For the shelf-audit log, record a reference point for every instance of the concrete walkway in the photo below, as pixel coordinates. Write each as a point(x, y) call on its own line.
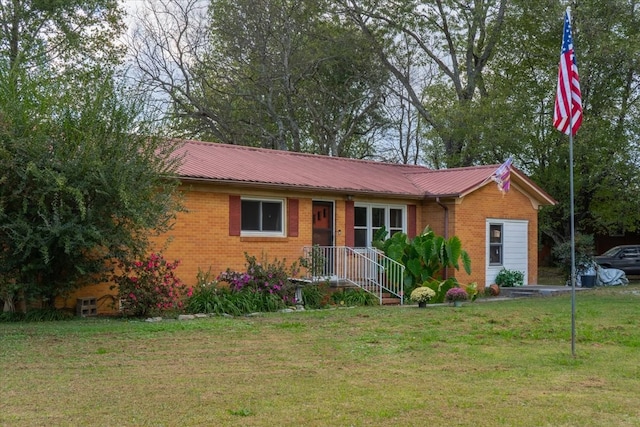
point(537, 290)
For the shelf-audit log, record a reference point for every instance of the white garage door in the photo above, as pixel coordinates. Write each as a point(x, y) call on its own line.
point(506, 247)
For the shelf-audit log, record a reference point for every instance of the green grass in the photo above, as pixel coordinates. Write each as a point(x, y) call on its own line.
point(490, 363)
point(550, 276)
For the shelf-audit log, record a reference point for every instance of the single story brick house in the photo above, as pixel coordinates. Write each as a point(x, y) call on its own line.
point(275, 203)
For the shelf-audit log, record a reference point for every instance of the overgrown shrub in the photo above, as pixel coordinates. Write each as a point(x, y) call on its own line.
point(510, 278)
point(11, 316)
point(150, 286)
point(48, 315)
point(315, 295)
point(216, 299)
point(209, 298)
point(263, 287)
point(584, 251)
point(263, 277)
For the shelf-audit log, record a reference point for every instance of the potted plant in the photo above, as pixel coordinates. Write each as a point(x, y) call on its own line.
point(422, 295)
point(493, 290)
point(456, 296)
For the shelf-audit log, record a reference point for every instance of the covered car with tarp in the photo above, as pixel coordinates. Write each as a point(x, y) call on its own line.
point(597, 275)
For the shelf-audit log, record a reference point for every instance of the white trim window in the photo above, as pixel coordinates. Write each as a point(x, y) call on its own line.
point(262, 217)
point(369, 218)
point(495, 244)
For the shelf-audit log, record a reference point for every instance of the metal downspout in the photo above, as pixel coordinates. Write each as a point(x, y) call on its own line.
point(446, 228)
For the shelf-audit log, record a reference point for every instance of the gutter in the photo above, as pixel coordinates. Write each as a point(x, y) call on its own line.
point(446, 217)
point(301, 188)
point(446, 230)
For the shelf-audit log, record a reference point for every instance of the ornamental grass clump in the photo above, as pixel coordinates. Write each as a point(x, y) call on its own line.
point(456, 294)
point(422, 294)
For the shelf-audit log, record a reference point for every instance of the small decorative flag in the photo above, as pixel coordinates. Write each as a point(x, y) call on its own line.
point(567, 114)
point(502, 176)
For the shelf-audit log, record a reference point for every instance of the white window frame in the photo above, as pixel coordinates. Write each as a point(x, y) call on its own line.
point(387, 219)
point(496, 244)
point(256, 233)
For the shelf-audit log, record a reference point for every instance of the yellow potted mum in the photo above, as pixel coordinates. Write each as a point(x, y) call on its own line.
point(422, 295)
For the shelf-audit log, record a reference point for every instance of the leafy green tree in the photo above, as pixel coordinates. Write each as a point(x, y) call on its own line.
point(279, 74)
point(492, 70)
point(518, 115)
point(458, 40)
point(79, 190)
point(84, 182)
point(72, 38)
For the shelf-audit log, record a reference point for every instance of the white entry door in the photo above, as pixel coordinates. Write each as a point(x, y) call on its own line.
point(506, 247)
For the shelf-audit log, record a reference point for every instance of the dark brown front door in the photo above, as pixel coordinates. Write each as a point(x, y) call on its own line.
point(323, 257)
point(322, 223)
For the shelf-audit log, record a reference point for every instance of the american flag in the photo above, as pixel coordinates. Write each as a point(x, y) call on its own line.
point(502, 176)
point(568, 98)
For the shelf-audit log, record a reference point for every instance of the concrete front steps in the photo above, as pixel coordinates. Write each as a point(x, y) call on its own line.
point(387, 298)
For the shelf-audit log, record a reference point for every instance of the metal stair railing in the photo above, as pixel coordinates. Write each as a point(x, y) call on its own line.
point(366, 268)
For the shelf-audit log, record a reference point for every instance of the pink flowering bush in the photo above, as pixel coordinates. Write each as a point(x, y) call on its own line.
point(271, 278)
point(150, 286)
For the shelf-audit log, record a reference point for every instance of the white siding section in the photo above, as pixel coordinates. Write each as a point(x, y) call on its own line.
point(514, 251)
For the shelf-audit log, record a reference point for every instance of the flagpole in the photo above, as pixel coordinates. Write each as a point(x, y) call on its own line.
point(572, 222)
point(569, 97)
point(573, 243)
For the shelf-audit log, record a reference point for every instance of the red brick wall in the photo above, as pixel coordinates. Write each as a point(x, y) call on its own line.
point(469, 224)
point(201, 237)
point(201, 240)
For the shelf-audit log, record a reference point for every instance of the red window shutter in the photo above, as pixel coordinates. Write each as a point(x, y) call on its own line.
point(292, 217)
point(349, 221)
point(411, 221)
point(235, 205)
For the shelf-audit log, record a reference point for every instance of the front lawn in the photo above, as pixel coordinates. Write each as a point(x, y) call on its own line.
point(488, 363)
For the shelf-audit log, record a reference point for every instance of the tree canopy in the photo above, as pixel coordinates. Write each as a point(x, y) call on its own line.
point(84, 181)
point(279, 74)
point(444, 83)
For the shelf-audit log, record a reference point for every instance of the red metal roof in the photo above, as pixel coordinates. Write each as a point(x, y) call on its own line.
point(456, 182)
point(239, 164)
